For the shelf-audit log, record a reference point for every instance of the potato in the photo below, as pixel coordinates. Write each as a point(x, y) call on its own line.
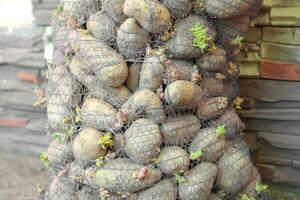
point(230, 30)
point(227, 8)
point(249, 189)
point(183, 94)
point(232, 123)
point(64, 87)
point(212, 87)
point(142, 141)
point(144, 102)
point(151, 75)
point(165, 189)
point(207, 141)
point(254, 9)
point(102, 27)
point(180, 130)
point(60, 188)
point(57, 113)
point(80, 10)
point(119, 143)
point(234, 170)
point(81, 71)
point(199, 182)
point(124, 175)
point(115, 10)
point(105, 62)
point(133, 77)
point(179, 70)
point(99, 114)
point(59, 154)
point(85, 145)
point(152, 15)
point(179, 8)
point(215, 61)
point(212, 108)
point(87, 193)
point(173, 159)
point(214, 197)
point(115, 96)
point(59, 38)
point(132, 40)
point(182, 44)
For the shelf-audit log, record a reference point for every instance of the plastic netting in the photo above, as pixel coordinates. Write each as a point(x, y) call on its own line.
point(140, 101)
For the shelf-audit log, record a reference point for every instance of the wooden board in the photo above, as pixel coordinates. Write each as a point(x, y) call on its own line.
point(274, 126)
point(270, 90)
point(278, 104)
point(279, 140)
point(284, 174)
point(273, 114)
point(278, 156)
point(279, 70)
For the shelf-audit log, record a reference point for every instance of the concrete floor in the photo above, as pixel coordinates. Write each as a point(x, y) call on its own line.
point(20, 177)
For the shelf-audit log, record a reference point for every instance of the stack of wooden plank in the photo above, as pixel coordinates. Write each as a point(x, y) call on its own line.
point(22, 126)
point(269, 84)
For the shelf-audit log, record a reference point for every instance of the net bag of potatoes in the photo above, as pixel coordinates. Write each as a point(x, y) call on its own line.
point(140, 101)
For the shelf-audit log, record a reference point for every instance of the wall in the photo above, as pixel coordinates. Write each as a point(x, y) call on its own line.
point(22, 74)
point(270, 87)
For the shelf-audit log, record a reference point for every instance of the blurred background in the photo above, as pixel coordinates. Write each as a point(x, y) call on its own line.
point(269, 104)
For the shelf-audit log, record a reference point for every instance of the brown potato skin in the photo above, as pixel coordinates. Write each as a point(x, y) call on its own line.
point(114, 8)
point(173, 159)
point(235, 168)
point(132, 40)
point(152, 15)
point(118, 175)
point(180, 130)
point(85, 145)
point(102, 27)
point(144, 102)
point(165, 189)
point(108, 65)
point(99, 114)
point(183, 94)
point(199, 182)
point(209, 143)
point(151, 75)
point(133, 77)
point(225, 8)
point(179, 8)
point(142, 141)
point(181, 46)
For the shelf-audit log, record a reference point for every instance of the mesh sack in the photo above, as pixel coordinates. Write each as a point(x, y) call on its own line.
point(140, 100)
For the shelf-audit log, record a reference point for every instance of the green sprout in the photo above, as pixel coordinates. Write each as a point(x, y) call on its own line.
point(57, 136)
point(196, 155)
point(106, 141)
point(221, 130)
point(260, 187)
point(157, 160)
point(246, 197)
point(44, 159)
point(78, 117)
point(199, 5)
point(180, 177)
point(201, 38)
point(57, 10)
point(100, 161)
point(237, 41)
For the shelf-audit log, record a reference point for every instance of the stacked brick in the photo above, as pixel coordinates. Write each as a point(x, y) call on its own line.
point(22, 75)
point(270, 87)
